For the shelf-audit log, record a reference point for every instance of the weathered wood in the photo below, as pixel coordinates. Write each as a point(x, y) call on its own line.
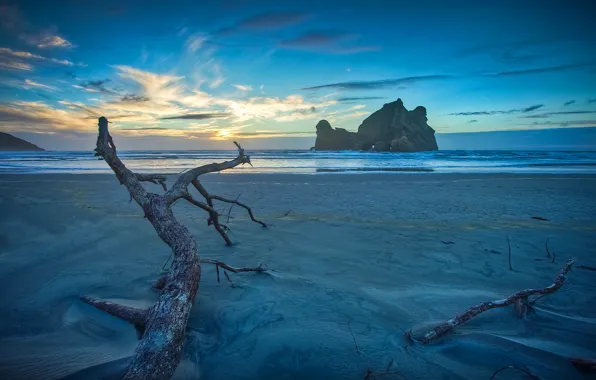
point(161, 343)
point(519, 297)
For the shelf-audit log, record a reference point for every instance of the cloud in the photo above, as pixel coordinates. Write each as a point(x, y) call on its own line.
point(290, 108)
point(506, 112)
point(472, 121)
point(15, 65)
point(242, 87)
point(532, 108)
point(197, 116)
point(542, 70)
point(566, 123)
point(569, 103)
point(134, 98)
point(549, 114)
point(592, 100)
point(264, 22)
point(31, 84)
point(327, 42)
point(195, 42)
point(359, 98)
point(38, 117)
point(45, 42)
point(377, 84)
point(158, 87)
point(97, 86)
point(14, 59)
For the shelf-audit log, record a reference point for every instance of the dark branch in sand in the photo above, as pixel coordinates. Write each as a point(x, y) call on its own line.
point(509, 246)
point(353, 337)
point(583, 364)
point(231, 207)
point(515, 368)
point(259, 268)
point(162, 340)
point(520, 297)
point(546, 246)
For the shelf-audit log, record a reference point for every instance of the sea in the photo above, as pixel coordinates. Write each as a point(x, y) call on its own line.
point(308, 162)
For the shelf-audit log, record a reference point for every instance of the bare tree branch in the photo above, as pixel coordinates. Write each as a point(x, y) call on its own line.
point(159, 284)
point(153, 178)
point(520, 296)
point(213, 218)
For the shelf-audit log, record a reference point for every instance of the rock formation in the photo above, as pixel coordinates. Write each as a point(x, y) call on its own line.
point(391, 129)
point(12, 143)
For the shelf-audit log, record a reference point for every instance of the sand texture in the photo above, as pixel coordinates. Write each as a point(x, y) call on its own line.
point(372, 253)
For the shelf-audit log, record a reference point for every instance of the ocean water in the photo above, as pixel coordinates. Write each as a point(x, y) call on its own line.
point(302, 161)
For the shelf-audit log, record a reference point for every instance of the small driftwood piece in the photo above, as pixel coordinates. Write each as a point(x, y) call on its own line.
point(519, 298)
point(163, 326)
point(530, 374)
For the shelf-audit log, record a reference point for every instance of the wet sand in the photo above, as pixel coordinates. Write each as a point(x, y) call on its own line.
point(387, 252)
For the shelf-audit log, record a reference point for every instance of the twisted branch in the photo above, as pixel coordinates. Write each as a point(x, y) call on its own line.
point(521, 297)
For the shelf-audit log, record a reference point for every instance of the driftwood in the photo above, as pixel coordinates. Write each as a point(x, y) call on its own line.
point(163, 325)
point(520, 299)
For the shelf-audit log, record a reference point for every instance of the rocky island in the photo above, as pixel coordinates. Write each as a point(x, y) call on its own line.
point(391, 129)
point(10, 143)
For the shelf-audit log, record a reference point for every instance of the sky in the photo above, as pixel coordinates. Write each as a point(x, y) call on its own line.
point(199, 74)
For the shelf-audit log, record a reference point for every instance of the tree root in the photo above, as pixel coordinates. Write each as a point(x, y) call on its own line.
point(519, 298)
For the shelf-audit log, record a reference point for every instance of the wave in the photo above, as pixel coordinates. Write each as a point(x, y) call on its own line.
point(304, 161)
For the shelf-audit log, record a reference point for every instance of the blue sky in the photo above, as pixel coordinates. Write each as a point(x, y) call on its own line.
point(197, 74)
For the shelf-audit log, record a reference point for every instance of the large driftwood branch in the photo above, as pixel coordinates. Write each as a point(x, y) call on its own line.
point(161, 343)
point(519, 298)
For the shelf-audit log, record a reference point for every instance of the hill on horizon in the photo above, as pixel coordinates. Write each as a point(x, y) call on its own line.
point(10, 143)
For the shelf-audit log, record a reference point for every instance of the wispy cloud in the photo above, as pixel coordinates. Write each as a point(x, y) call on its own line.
point(46, 42)
point(592, 100)
point(472, 121)
point(542, 70)
point(242, 87)
point(32, 84)
point(264, 22)
point(15, 59)
point(565, 123)
point(359, 98)
point(97, 86)
point(549, 114)
point(197, 116)
point(330, 41)
point(377, 84)
point(569, 103)
point(158, 87)
point(498, 112)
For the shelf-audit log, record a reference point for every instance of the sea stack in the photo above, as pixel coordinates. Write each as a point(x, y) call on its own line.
point(391, 129)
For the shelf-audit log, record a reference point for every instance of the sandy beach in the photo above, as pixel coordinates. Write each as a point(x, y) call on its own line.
point(355, 260)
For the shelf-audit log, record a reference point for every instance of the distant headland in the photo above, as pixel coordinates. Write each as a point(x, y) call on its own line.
point(10, 143)
point(391, 129)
